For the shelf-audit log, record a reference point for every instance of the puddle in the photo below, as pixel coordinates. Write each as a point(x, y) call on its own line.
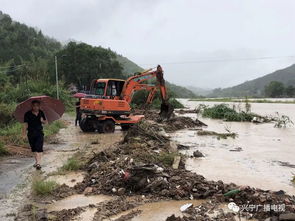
point(87, 215)
point(263, 147)
point(12, 173)
point(158, 211)
point(69, 179)
point(75, 201)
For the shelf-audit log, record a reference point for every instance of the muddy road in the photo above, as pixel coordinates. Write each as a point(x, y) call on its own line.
point(16, 172)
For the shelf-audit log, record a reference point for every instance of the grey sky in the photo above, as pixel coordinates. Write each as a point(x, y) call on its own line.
point(164, 31)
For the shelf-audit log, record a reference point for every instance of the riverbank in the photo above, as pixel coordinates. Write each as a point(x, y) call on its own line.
point(123, 179)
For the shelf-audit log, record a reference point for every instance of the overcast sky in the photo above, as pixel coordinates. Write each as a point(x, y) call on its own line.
point(176, 33)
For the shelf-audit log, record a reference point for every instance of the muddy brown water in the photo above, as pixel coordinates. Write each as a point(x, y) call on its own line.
point(263, 149)
point(75, 201)
point(158, 211)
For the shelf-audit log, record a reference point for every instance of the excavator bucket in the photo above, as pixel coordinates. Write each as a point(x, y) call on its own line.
point(166, 111)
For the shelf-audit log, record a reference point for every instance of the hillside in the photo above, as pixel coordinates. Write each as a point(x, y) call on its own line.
point(19, 42)
point(26, 50)
point(256, 87)
point(130, 67)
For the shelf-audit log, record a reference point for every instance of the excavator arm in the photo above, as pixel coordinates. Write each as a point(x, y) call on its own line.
point(134, 83)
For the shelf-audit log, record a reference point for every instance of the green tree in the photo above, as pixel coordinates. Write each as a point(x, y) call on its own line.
point(290, 91)
point(80, 63)
point(274, 89)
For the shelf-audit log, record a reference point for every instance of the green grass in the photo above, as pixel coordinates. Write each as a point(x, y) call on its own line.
point(72, 164)
point(3, 150)
point(43, 187)
point(53, 128)
point(12, 134)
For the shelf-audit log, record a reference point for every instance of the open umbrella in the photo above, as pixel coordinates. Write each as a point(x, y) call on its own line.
point(52, 108)
point(79, 95)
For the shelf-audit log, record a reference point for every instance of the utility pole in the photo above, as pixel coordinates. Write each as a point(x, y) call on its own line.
point(56, 78)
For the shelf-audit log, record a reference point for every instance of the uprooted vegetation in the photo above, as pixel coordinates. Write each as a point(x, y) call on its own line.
point(224, 112)
point(218, 135)
point(282, 121)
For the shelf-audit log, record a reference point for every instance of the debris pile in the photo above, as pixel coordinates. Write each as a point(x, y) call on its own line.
point(134, 168)
point(171, 125)
point(179, 123)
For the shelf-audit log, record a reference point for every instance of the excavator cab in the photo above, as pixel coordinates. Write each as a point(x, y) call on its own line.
point(107, 88)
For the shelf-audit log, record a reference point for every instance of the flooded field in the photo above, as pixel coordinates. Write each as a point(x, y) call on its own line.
point(266, 156)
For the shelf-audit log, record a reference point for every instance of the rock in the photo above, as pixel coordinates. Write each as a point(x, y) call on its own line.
point(272, 219)
point(197, 153)
point(121, 191)
point(237, 149)
point(94, 166)
point(182, 147)
point(173, 146)
point(41, 215)
point(287, 217)
point(114, 190)
point(88, 190)
point(176, 162)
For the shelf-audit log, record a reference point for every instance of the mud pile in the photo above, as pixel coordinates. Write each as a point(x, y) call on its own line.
point(179, 123)
point(171, 125)
point(135, 168)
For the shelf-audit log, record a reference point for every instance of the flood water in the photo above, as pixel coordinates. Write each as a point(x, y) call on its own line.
point(159, 210)
point(267, 159)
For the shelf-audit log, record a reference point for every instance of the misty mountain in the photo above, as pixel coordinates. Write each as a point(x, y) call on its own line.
point(129, 67)
point(256, 87)
point(200, 91)
point(19, 43)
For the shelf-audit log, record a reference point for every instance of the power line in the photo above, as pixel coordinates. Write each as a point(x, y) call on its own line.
point(222, 60)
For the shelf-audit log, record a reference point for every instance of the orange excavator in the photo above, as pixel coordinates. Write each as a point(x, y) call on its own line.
point(108, 103)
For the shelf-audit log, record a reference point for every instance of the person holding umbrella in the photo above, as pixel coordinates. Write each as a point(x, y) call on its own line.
point(33, 121)
point(34, 113)
point(78, 113)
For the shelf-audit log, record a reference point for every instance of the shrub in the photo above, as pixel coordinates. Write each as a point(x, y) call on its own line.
point(6, 114)
point(72, 164)
point(3, 150)
point(43, 187)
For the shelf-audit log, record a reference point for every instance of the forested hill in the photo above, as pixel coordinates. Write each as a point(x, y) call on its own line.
point(257, 86)
point(19, 42)
point(130, 67)
point(28, 55)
